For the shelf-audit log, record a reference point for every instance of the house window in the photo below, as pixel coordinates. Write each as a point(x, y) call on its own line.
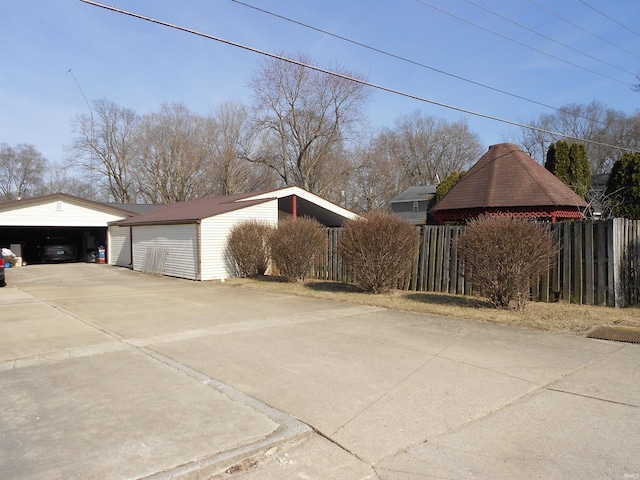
point(415, 206)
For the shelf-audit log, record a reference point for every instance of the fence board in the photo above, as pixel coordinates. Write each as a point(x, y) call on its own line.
point(589, 283)
point(566, 261)
point(635, 264)
point(433, 235)
point(453, 262)
point(416, 264)
point(601, 267)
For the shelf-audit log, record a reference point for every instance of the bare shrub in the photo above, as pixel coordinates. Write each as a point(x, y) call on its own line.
point(295, 246)
point(378, 249)
point(503, 255)
point(248, 246)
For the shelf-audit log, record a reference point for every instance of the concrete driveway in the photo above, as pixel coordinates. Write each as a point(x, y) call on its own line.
point(106, 373)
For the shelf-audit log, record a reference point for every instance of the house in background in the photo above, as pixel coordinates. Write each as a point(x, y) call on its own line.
point(413, 203)
point(189, 239)
point(507, 181)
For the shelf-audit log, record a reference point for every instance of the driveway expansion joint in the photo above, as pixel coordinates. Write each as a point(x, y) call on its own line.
point(592, 397)
point(289, 429)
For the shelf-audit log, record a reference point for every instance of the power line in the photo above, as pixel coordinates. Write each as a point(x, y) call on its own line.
point(92, 157)
point(347, 77)
point(602, 39)
point(610, 18)
point(548, 37)
point(82, 92)
point(520, 43)
point(413, 62)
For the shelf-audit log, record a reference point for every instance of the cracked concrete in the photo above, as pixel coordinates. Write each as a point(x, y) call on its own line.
point(118, 375)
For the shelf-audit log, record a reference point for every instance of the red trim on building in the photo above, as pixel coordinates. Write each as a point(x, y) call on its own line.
point(541, 213)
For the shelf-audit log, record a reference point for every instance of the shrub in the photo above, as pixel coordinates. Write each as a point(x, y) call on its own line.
point(503, 254)
point(378, 250)
point(295, 246)
point(248, 246)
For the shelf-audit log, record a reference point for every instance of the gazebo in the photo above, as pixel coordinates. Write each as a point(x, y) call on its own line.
point(507, 181)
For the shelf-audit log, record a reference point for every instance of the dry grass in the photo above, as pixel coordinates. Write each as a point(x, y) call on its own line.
point(553, 317)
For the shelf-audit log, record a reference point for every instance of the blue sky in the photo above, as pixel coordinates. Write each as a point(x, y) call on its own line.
point(141, 65)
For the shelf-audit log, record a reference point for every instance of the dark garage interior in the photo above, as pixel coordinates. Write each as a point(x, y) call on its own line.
point(85, 240)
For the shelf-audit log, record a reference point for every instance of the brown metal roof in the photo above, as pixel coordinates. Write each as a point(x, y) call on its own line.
point(507, 177)
point(193, 210)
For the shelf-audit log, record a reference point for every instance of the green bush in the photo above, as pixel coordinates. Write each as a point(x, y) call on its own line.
point(378, 250)
point(295, 246)
point(248, 246)
point(502, 255)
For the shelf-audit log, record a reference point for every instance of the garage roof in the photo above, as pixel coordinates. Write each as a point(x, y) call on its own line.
point(192, 211)
point(105, 207)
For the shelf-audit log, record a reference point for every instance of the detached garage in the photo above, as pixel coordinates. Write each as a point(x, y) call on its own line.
point(189, 239)
point(26, 226)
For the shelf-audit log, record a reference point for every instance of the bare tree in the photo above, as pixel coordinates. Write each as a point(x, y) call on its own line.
point(377, 179)
point(172, 158)
point(305, 117)
point(428, 148)
point(60, 178)
point(230, 143)
point(21, 171)
point(594, 122)
point(104, 148)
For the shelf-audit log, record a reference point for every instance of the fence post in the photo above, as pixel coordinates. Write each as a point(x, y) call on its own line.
point(617, 261)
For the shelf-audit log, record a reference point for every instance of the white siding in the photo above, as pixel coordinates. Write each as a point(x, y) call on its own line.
point(119, 246)
point(57, 213)
point(215, 230)
point(180, 242)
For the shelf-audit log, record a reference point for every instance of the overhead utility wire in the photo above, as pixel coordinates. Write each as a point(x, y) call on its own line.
point(404, 59)
point(610, 18)
point(520, 43)
point(548, 37)
point(575, 25)
point(346, 77)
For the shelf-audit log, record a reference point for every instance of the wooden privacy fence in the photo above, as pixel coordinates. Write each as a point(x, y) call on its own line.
point(598, 263)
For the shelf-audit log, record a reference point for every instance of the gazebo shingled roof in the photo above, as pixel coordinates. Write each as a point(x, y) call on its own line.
point(507, 181)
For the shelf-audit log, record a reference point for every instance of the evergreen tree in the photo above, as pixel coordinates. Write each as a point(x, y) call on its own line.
point(623, 187)
point(550, 163)
point(447, 184)
point(442, 189)
point(579, 169)
point(571, 165)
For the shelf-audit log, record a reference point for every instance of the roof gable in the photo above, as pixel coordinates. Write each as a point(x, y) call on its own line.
point(64, 197)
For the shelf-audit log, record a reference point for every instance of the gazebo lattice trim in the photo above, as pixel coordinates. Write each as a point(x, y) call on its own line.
point(549, 213)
